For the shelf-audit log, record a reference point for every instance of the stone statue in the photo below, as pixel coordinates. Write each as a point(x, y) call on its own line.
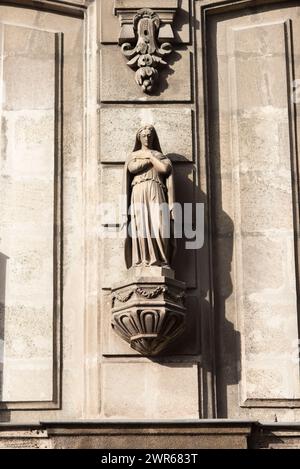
point(147, 307)
point(150, 198)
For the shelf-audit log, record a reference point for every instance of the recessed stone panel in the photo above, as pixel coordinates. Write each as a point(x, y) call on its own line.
point(118, 127)
point(143, 390)
point(27, 214)
point(117, 83)
point(254, 208)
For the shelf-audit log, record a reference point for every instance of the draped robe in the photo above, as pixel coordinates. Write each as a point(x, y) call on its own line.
point(149, 204)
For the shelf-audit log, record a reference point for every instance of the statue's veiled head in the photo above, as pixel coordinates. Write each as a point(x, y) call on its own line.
point(146, 136)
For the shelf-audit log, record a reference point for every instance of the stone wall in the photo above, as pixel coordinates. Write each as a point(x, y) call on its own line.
point(124, 108)
point(254, 171)
point(225, 110)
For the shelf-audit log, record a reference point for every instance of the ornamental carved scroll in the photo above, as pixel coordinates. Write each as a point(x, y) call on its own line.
point(146, 56)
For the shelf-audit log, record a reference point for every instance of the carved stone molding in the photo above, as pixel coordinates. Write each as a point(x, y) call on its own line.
point(149, 314)
point(164, 9)
point(145, 38)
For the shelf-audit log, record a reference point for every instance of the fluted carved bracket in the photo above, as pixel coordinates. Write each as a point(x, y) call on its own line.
point(149, 314)
point(145, 38)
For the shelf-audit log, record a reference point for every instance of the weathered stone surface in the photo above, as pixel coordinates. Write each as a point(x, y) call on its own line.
point(255, 211)
point(109, 26)
point(27, 213)
point(111, 240)
point(266, 201)
point(262, 139)
point(118, 126)
point(29, 331)
point(210, 434)
point(21, 441)
point(185, 440)
point(275, 436)
point(137, 381)
point(136, 434)
point(271, 254)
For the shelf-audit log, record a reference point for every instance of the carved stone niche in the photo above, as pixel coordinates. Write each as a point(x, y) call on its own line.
point(149, 312)
point(148, 306)
point(146, 36)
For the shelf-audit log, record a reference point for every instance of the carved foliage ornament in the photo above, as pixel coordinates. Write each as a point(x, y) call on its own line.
point(147, 293)
point(146, 56)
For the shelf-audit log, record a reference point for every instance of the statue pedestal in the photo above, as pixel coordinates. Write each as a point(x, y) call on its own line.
point(148, 309)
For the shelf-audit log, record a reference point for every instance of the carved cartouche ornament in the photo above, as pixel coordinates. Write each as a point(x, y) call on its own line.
point(146, 56)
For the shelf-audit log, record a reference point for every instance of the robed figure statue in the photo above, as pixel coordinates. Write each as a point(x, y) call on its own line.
point(149, 199)
point(144, 312)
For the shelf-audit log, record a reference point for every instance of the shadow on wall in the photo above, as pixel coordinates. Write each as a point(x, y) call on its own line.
point(208, 335)
point(164, 72)
point(4, 416)
point(185, 263)
point(182, 19)
point(218, 342)
point(227, 339)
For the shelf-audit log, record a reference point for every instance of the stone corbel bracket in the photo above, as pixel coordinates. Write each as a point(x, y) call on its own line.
point(149, 313)
point(146, 36)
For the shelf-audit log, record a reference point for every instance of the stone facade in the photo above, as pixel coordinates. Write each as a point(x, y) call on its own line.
point(225, 105)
